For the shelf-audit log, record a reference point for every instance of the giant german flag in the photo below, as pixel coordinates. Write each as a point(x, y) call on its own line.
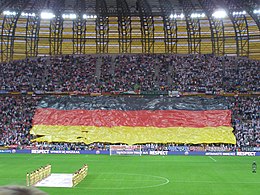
point(133, 120)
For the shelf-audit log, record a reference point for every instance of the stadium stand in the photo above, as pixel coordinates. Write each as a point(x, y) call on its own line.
point(16, 119)
point(145, 72)
point(191, 73)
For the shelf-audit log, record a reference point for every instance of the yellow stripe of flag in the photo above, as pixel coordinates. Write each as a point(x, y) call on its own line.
point(133, 135)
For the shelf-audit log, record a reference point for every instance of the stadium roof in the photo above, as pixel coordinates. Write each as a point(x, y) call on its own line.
point(156, 6)
point(222, 27)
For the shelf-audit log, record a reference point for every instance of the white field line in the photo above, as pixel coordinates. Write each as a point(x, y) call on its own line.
point(217, 182)
point(163, 181)
point(166, 182)
point(213, 159)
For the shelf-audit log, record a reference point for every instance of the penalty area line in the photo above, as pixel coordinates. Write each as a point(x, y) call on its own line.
point(213, 159)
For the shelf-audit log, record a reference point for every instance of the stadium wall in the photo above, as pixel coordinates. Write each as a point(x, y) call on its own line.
point(153, 153)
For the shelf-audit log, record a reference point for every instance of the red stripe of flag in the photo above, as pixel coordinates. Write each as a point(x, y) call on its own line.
point(139, 118)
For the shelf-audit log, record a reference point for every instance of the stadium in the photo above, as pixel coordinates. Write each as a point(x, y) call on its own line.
point(130, 96)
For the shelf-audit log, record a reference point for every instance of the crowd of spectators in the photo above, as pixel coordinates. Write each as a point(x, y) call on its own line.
point(246, 120)
point(144, 72)
point(16, 113)
point(67, 146)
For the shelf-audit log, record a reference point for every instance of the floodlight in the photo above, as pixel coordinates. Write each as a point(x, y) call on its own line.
point(69, 16)
point(239, 13)
point(28, 14)
point(73, 16)
point(47, 15)
point(24, 14)
point(197, 15)
point(85, 16)
point(175, 16)
point(9, 13)
point(219, 14)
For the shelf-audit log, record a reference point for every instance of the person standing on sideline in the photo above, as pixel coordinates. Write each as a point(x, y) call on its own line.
point(254, 166)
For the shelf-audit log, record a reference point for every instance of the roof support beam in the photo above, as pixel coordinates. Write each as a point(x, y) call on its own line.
point(249, 6)
point(147, 26)
point(216, 28)
point(32, 29)
point(102, 27)
point(56, 30)
point(8, 30)
point(169, 26)
point(124, 27)
point(240, 25)
point(79, 29)
point(193, 28)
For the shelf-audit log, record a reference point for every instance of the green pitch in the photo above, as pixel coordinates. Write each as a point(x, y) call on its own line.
point(140, 174)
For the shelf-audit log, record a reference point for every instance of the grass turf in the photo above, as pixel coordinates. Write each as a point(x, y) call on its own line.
point(140, 175)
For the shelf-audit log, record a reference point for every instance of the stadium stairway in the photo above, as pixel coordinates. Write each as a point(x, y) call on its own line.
point(98, 67)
